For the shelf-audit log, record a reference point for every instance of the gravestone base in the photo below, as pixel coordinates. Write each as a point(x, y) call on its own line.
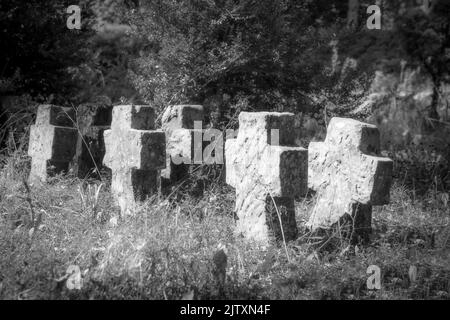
point(135, 153)
point(183, 140)
point(352, 229)
point(47, 169)
point(263, 172)
point(52, 142)
point(284, 211)
point(362, 227)
point(90, 153)
point(144, 182)
point(349, 176)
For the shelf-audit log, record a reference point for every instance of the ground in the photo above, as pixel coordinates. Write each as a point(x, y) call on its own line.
point(187, 248)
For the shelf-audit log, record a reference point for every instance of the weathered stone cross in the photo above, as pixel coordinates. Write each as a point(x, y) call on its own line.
point(52, 142)
point(135, 153)
point(267, 176)
point(178, 122)
point(92, 121)
point(348, 175)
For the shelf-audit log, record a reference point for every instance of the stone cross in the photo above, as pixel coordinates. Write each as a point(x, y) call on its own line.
point(348, 175)
point(52, 142)
point(92, 121)
point(267, 177)
point(135, 153)
point(183, 140)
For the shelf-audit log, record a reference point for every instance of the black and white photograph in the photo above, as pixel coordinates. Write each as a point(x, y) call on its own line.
point(221, 156)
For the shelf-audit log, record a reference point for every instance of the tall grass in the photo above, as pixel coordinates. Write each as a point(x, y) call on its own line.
point(170, 249)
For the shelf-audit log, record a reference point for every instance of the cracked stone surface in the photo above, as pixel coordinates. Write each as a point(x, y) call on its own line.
point(268, 171)
point(348, 175)
point(52, 142)
point(135, 153)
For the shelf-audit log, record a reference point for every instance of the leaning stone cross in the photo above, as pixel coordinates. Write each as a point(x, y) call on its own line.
point(92, 121)
point(348, 175)
point(178, 122)
point(267, 177)
point(135, 153)
point(52, 142)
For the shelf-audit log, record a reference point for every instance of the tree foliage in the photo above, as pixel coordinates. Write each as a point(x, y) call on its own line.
point(290, 55)
point(266, 52)
point(38, 48)
point(426, 39)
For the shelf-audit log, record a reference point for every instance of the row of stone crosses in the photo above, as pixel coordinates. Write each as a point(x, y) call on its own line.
point(346, 170)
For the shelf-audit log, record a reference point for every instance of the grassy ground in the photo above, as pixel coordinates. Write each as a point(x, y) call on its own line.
point(175, 250)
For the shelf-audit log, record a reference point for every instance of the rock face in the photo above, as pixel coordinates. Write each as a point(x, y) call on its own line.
point(52, 142)
point(90, 149)
point(135, 153)
point(183, 139)
point(348, 175)
point(266, 176)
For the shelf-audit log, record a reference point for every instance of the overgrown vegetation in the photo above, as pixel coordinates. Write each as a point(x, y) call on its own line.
point(170, 250)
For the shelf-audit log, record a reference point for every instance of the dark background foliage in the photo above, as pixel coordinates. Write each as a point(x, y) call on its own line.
point(315, 58)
